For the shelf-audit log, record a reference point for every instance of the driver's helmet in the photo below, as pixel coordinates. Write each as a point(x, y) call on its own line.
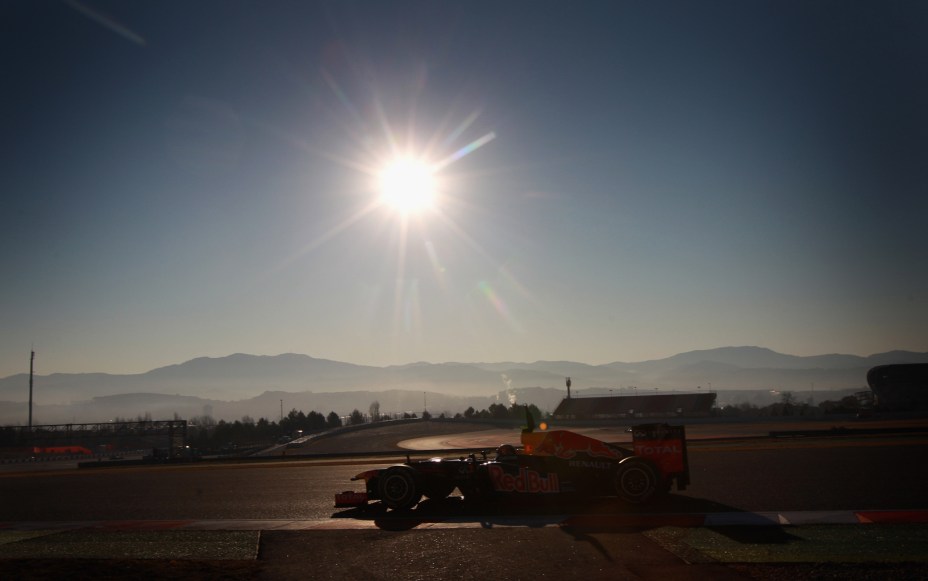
point(506, 450)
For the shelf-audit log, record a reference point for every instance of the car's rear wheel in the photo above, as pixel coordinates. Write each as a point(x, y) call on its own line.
point(398, 488)
point(636, 480)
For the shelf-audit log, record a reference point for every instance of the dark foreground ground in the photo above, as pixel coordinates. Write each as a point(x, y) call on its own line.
point(499, 554)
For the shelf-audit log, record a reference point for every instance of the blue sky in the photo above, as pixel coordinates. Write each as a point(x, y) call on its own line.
point(185, 179)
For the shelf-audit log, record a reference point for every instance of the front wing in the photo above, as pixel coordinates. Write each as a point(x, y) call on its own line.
point(349, 499)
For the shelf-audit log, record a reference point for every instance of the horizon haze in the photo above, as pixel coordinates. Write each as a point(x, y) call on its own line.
point(239, 384)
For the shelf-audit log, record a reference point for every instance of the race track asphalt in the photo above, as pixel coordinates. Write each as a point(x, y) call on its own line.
point(793, 475)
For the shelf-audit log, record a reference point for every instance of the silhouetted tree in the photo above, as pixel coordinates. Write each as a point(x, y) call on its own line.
point(847, 405)
point(315, 421)
point(204, 421)
point(498, 411)
point(533, 410)
point(355, 419)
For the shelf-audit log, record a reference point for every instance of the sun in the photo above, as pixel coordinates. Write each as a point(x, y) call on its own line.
point(407, 186)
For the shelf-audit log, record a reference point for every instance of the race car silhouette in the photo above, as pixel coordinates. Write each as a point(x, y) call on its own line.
point(547, 463)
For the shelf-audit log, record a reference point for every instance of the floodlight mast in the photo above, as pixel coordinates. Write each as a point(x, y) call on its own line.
point(31, 366)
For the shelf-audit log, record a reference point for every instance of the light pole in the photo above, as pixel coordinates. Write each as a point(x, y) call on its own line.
point(31, 362)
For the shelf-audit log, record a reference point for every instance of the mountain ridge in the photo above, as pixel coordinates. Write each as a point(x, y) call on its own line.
point(241, 376)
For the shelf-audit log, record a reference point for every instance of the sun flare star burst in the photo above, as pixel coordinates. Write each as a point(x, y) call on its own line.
point(407, 186)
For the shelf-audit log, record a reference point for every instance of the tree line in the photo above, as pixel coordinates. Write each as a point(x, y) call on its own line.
point(209, 434)
point(790, 406)
point(206, 434)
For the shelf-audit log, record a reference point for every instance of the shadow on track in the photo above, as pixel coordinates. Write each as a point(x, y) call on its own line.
point(574, 516)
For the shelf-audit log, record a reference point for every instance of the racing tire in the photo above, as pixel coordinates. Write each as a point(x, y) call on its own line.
point(398, 488)
point(438, 489)
point(637, 481)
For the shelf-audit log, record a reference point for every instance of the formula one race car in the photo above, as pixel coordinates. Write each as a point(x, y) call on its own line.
point(547, 463)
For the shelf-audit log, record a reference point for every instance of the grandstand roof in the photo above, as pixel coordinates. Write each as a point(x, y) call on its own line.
point(658, 405)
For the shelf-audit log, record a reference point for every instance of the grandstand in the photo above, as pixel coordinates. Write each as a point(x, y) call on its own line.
point(636, 406)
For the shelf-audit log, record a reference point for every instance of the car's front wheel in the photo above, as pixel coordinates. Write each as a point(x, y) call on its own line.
point(398, 488)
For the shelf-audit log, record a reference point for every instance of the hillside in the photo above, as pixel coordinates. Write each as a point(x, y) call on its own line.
point(238, 385)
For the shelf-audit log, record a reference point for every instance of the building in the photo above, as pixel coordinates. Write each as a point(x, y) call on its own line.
point(636, 406)
point(901, 387)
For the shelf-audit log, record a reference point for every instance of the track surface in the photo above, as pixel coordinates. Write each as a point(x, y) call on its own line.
point(844, 474)
point(499, 540)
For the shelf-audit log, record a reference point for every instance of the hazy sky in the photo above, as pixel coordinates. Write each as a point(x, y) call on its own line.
point(620, 181)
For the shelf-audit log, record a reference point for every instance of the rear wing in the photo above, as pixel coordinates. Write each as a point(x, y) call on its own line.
point(665, 446)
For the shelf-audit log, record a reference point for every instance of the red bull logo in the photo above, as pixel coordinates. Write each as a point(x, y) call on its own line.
point(526, 480)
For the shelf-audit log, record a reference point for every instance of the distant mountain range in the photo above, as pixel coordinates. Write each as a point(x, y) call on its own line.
point(237, 385)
